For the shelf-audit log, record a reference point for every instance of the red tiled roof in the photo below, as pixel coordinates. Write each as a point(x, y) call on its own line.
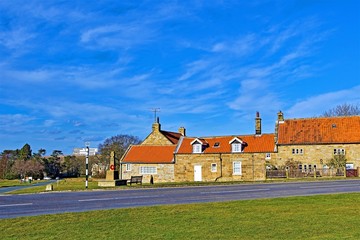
point(254, 144)
point(172, 136)
point(320, 130)
point(149, 154)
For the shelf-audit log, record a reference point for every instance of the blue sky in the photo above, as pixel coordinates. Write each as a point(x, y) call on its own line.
point(77, 71)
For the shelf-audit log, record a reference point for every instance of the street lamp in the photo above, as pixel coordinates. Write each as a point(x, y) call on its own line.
point(87, 144)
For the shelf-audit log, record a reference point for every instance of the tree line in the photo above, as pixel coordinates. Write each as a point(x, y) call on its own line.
point(21, 163)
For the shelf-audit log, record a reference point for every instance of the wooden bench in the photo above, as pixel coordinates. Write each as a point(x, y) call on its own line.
point(135, 179)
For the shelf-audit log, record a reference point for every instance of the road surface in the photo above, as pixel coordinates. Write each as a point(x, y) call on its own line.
point(12, 206)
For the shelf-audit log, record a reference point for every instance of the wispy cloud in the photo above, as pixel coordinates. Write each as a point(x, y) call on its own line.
point(315, 105)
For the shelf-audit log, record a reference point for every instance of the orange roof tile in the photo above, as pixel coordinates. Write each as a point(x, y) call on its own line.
point(149, 154)
point(320, 130)
point(254, 144)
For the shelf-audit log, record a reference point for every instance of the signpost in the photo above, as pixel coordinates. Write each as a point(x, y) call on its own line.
point(87, 144)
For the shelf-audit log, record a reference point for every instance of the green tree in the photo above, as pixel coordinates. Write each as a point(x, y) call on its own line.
point(338, 161)
point(71, 166)
point(25, 152)
point(52, 164)
point(7, 160)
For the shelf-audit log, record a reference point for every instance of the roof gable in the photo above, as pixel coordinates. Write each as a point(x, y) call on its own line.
point(319, 130)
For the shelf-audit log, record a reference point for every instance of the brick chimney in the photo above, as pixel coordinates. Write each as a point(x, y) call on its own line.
point(258, 124)
point(156, 127)
point(182, 130)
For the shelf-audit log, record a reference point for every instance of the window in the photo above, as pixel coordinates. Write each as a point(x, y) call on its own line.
point(339, 151)
point(236, 147)
point(128, 167)
point(237, 168)
point(300, 167)
point(148, 170)
point(268, 156)
point(216, 145)
point(213, 167)
point(197, 148)
point(297, 151)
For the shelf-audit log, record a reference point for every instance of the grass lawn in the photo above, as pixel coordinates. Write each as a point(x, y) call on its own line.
point(316, 217)
point(78, 184)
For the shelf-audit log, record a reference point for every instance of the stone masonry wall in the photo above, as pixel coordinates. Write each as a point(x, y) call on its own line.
point(165, 172)
point(253, 167)
point(317, 154)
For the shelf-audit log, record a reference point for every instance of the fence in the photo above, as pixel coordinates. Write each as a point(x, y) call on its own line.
point(298, 173)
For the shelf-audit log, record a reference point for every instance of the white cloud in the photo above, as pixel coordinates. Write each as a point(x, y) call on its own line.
point(317, 105)
point(16, 38)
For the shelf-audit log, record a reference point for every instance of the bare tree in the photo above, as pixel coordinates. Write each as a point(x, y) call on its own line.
point(342, 110)
point(118, 144)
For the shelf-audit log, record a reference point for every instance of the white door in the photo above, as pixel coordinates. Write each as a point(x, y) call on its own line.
point(197, 173)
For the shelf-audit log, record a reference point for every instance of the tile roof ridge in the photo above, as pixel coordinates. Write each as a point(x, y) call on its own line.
point(229, 136)
point(322, 117)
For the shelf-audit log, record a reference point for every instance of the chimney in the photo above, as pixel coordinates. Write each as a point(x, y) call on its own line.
point(280, 116)
point(258, 124)
point(182, 130)
point(280, 119)
point(156, 127)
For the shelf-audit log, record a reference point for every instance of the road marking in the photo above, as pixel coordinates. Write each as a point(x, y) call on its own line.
point(330, 186)
point(14, 205)
point(238, 191)
point(116, 198)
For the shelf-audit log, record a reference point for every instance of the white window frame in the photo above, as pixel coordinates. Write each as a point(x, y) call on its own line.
point(147, 170)
point(339, 151)
point(213, 167)
point(236, 147)
point(237, 170)
point(197, 148)
point(297, 151)
point(128, 167)
point(267, 155)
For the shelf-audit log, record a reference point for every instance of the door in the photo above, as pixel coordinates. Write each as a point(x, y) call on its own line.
point(197, 173)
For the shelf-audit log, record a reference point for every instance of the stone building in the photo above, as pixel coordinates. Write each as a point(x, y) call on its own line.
point(314, 141)
point(223, 158)
point(154, 157)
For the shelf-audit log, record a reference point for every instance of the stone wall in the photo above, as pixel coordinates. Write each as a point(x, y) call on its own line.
point(317, 155)
point(253, 167)
point(165, 172)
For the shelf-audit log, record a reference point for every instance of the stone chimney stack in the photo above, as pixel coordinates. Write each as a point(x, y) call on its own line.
point(280, 116)
point(182, 130)
point(156, 127)
point(258, 124)
point(280, 119)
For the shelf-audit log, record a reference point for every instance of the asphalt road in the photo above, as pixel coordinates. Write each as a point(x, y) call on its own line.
point(12, 206)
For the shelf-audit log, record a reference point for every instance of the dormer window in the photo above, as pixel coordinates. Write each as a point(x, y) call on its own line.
point(197, 146)
point(236, 145)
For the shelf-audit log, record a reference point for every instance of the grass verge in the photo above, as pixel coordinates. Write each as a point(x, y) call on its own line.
point(315, 217)
point(78, 184)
